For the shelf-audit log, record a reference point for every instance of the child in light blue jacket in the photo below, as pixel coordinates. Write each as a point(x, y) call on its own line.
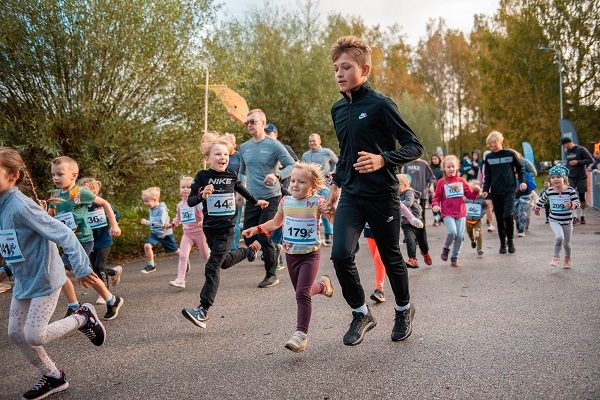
point(28, 239)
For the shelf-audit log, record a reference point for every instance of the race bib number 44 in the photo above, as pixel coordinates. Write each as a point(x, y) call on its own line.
point(221, 204)
point(9, 246)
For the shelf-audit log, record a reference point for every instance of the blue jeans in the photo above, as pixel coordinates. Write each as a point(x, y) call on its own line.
point(327, 227)
point(237, 229)
point(455, 231)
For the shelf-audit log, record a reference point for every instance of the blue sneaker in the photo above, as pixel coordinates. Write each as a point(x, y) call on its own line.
point(198, 317)
point(148, 269)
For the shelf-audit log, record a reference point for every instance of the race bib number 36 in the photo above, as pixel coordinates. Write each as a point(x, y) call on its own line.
point(221, 204)
point(97, 219)
point(9, 246)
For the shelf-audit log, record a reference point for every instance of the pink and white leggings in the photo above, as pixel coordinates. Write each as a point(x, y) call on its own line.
point(28, 328)
point(185, 247)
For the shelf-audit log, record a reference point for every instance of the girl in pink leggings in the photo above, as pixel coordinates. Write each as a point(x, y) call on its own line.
point(191, 218)
point(299, 214)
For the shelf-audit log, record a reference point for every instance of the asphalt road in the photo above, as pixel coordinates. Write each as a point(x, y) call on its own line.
point(499, 327)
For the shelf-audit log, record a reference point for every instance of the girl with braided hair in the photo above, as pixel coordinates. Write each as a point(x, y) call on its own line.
point(28, 239)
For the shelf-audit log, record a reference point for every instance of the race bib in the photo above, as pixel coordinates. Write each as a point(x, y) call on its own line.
point(97, 219)
point(454, 190)
point(473, 210)
point(187, 214)
point(300, 230)
point(221, 204)
point(9, 246)
point(67, 219)
point(558, 205)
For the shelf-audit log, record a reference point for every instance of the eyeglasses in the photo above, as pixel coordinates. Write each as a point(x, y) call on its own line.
point(252, 122)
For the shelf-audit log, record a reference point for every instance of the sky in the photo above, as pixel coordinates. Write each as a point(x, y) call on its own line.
point(412, 15)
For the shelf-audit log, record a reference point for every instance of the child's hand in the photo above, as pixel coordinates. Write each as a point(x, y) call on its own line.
point(536, 210)
point(143, 221)
point(44, 205)
point(416, 222)
point(262, 203)
point(327, 211)
point(435, 208)
point(115, 230)
point(87, 280)
point(476, 188)
point(250, 232)
point(569, 205)
point(208, 190)
point(169, 226)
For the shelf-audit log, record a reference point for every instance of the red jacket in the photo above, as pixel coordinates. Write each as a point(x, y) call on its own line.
point(449, 195)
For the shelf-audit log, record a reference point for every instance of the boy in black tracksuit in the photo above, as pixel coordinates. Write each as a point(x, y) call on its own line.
point(216, 191)
point(500, 183)
point(368, 125)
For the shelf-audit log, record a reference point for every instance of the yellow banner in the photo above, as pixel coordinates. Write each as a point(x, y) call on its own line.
point(234, 103)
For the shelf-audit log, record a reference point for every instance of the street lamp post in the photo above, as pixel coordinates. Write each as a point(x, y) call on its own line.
point(559, 86)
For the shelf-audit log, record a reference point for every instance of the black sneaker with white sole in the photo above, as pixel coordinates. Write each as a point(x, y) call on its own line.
point(92, 328)
point(46, 386)
point(403, 324)
point(360, 325)
point(268, 281)
point(113, 311)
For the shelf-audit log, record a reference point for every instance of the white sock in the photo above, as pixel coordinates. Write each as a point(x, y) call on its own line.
point(111, 300)
point(81, 319)
point(364, 310)
point(402, 308)
point(55, 374)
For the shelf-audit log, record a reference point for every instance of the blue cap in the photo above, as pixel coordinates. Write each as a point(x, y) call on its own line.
point(271, 128)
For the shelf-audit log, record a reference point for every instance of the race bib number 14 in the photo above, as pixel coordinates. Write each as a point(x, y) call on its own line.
point(9, 246)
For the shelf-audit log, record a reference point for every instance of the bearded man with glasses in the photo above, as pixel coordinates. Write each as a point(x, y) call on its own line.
point(260, 173)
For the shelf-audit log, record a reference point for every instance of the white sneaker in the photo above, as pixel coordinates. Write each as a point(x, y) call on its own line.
point(521, 234)
point(4, 287)
point(115, 273)
point(297, 342)
point(100, 300)
point(491, 228)
point(179, 282)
